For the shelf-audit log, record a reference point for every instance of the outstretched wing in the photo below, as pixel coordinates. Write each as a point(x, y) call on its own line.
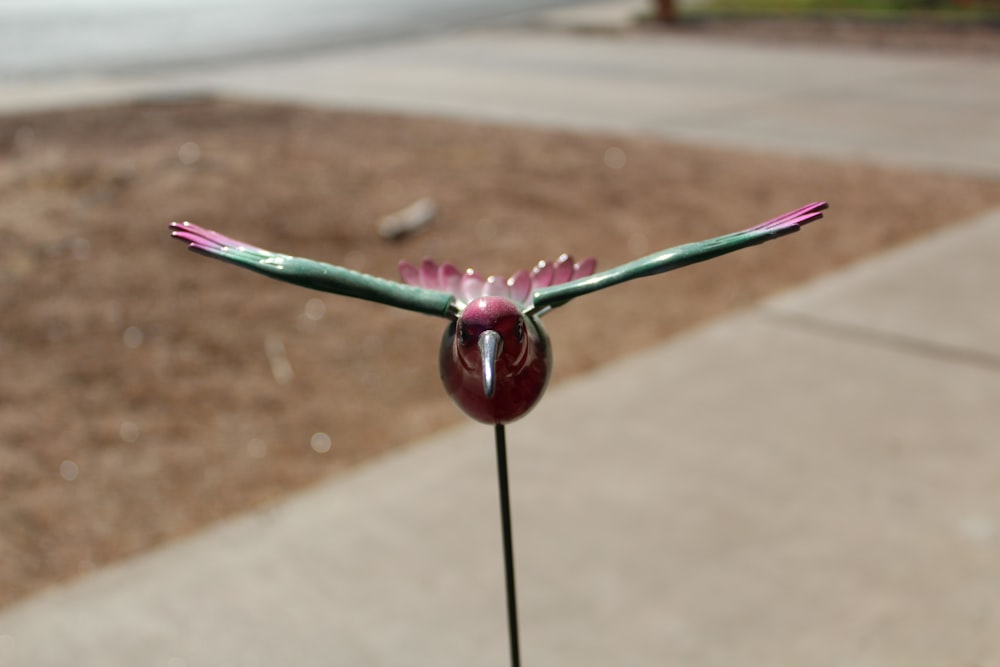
point(315, 275)
point(675, 258)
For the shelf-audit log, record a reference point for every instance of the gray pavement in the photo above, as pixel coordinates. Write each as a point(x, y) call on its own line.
point(910, 109)
point(810, 482)
point(899, 109)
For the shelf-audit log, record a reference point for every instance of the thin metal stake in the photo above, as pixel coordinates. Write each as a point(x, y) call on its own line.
point(508, 547)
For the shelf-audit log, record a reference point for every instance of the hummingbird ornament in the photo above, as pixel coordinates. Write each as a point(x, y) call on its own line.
point(495, 358)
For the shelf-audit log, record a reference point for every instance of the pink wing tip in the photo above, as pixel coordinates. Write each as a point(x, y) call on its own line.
point(196, 237)
point(796, 218)
point(205, 239)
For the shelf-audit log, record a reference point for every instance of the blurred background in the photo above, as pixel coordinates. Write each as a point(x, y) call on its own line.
point(52, 37)
point(44, 38)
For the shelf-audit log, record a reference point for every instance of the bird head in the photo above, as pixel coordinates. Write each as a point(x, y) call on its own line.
point(491, 339)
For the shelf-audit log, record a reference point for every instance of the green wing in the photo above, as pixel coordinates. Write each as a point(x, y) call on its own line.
point(677, 257)
point(314, 275)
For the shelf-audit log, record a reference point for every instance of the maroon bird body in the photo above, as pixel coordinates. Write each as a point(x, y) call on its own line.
point(495, 361)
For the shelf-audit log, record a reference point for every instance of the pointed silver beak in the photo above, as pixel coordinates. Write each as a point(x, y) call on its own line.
point(490, 344)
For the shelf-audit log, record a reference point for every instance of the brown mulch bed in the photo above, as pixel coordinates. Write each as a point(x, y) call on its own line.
point(137, 396)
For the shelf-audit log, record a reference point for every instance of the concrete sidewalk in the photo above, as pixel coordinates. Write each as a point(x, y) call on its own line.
point(908, 109)
point(812, 482)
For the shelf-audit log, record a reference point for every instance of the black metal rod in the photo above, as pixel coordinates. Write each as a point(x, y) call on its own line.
point(508, 546)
